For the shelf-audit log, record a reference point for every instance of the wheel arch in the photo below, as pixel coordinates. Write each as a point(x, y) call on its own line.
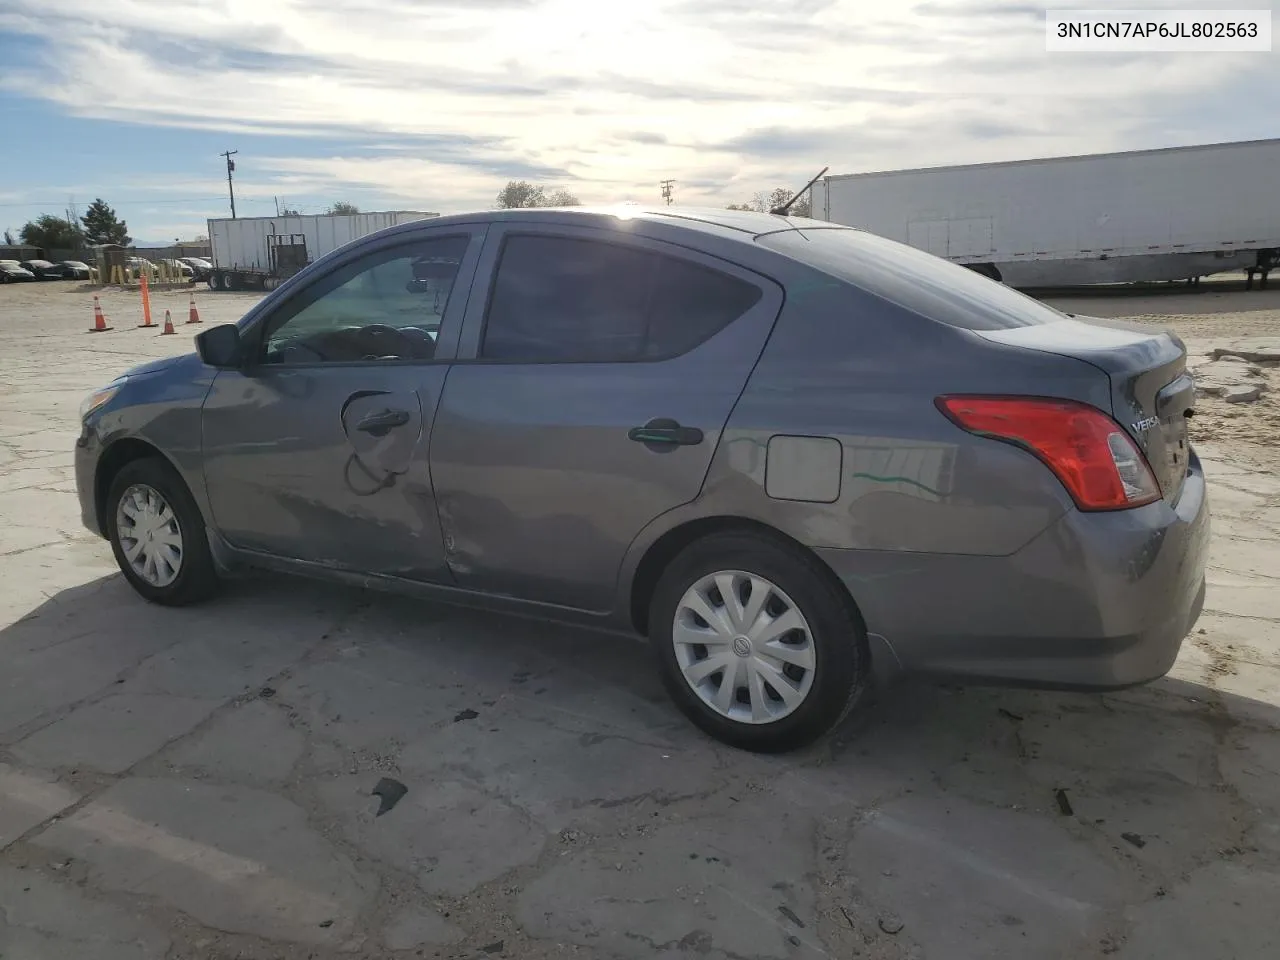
point(658, 556)
point(115, 458)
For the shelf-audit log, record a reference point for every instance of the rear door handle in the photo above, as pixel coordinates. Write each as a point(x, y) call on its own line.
point(664, 432)
point(379, 423)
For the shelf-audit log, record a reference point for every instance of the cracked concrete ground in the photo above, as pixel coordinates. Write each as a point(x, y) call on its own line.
point(196, 783)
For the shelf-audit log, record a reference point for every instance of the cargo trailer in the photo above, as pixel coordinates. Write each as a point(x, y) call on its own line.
point(1169, 214)
point(259, 253)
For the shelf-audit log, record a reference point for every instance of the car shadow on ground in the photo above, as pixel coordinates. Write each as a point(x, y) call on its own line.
point(926, 731)
point(1001, 803)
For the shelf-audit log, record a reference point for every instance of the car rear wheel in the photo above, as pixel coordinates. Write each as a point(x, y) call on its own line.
point(157, 534)
point(756, 643)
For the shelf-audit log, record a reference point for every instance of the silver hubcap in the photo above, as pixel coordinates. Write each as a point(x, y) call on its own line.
point(149, 535)
point(744, 647)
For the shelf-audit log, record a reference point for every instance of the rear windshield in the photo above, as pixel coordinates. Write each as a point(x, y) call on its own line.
point(911, 278)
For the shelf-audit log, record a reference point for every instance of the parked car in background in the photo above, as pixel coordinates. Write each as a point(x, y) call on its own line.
point(74, 270)
point(173, 266)
point(43, 269)
point(200, 267)
point(793, 455)
point(139, 263)
point(11, 271)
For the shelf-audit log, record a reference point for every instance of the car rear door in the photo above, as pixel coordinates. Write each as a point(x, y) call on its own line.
point(594, 377)
point(316, 450)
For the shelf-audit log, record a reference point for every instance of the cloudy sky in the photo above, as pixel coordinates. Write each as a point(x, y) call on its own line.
point(435, 104)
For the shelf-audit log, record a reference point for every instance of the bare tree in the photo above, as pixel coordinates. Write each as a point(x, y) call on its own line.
point(763, 202)
point(521, 193)
point(562, 198)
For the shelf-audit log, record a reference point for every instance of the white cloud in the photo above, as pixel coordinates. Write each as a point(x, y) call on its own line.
point(443, 100)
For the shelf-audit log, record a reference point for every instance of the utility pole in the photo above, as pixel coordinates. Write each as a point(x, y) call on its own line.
point(666, 190)
point(231, 165)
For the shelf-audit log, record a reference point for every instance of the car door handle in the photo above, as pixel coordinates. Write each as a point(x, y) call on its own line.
point(379, 423)
point(664, 432)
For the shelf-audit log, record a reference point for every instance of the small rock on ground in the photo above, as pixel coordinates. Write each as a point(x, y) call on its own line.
point(1242, 393)
point(1257, 349)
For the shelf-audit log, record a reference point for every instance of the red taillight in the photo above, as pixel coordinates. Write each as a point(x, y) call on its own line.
point(1091, 454)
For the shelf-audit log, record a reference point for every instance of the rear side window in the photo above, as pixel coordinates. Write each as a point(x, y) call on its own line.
point(559, 299)
point(925, 284)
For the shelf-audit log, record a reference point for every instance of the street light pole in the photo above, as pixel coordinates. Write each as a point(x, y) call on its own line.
point(231, 165)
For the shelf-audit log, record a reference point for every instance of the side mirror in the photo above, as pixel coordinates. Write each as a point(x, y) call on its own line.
point(220, 346)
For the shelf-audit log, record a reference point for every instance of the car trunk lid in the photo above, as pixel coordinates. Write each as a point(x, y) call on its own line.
point(1152, 394)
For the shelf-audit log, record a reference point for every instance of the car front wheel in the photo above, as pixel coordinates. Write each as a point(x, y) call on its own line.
point(157, 534)
point(756, 643)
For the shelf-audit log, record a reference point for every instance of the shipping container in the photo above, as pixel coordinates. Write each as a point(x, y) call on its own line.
point(1170, 214)
point(261, 252)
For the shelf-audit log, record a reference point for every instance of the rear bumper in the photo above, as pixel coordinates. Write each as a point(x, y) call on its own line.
point(1097, 601)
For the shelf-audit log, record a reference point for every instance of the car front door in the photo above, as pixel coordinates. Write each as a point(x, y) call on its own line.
point(591, 388)
point(316, 450)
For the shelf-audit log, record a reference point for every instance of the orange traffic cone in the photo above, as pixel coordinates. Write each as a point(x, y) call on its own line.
point(194, 315)
point(168, 325)
point(146, 303)
point(99, 320)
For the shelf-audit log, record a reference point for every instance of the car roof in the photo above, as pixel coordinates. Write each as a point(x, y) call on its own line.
point(743, 225)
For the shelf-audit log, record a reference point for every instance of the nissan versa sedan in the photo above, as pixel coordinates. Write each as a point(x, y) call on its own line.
point(795, 456)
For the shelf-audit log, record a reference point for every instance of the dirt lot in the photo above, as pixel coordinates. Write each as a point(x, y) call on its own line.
point(196, 783)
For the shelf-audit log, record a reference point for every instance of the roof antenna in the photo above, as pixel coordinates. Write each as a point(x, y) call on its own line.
point(782, 210)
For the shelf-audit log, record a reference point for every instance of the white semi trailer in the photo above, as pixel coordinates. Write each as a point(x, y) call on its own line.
point(258, 253)
point(1170, 214)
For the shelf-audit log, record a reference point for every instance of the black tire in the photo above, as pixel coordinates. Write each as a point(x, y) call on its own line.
point(197, 578)
point(214, 281)
point(231, 281)
point(842, 660)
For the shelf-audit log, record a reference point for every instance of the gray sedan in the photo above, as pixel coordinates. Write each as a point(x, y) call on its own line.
point(797, 457)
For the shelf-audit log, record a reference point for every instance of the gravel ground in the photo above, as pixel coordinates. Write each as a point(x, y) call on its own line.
point(196, 784)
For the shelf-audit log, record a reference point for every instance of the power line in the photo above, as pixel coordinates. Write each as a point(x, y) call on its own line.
point(54, 203)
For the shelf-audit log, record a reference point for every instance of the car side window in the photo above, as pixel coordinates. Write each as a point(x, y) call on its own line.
point(387, 305)
point(560, 299)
